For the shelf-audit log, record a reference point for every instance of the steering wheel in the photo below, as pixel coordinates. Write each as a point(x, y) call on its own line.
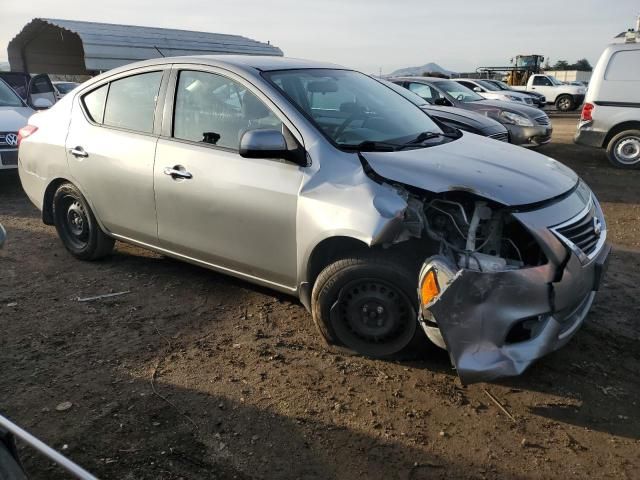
point(348, 121)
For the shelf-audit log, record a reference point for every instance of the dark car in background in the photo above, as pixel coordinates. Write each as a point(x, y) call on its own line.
point(456, 117)
point(528, 126)
point(37, 91)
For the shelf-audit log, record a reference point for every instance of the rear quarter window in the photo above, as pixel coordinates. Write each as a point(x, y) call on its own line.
point(94, 102)
point(624, 66)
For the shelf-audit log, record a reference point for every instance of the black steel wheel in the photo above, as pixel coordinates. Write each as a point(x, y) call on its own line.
point(565, 103)
point(77, 226)
point(367, 304)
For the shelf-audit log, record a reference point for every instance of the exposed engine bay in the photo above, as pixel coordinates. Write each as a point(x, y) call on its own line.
point(472, 233)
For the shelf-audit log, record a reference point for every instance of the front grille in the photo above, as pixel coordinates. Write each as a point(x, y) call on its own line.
point(542, 120)
point(8, 143)
point(9, 158)
point(503, 137)
point(584, 232)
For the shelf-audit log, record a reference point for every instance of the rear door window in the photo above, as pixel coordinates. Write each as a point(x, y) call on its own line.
point(624, 66)
point(131, 102)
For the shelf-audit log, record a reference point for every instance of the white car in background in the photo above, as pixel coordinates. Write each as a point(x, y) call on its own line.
point(491, 92)
point(14, 114)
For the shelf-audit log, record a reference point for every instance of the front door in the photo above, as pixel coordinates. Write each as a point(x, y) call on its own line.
point(213, 205)
point(110, 149)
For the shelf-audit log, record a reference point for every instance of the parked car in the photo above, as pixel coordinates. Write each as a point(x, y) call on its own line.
point(564, 97)
point(528, 126)
point(14, 114)
point(538, 99)
point(36, 91)
point(491, 92)
point(611, 114)
point(321, 182)
point(62, 88)
point(455, 117)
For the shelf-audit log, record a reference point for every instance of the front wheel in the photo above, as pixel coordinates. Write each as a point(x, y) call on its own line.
point(77, 226)
point(367, 304)
point(565, 103)
point(624, 149)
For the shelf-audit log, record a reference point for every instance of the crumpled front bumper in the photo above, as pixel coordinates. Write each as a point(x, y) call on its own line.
point(481, 315)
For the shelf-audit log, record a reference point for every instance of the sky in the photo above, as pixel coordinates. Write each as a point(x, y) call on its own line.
point(369, 35)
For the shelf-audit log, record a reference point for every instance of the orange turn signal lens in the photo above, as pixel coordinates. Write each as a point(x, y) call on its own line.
point(429, 288)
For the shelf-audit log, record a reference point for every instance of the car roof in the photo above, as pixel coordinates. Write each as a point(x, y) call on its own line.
point(244, 62)
point(414, 78)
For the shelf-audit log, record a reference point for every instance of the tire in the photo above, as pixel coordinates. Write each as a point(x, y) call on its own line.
point(367, 303)
point(624, 150)
point(77, 226)
point(565, 103)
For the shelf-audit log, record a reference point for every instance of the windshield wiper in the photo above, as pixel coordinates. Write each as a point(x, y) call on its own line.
point(423, 137)
point(370, 146)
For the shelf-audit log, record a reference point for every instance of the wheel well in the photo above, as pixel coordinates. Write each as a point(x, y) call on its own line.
point(328, 251)
point(47, 202)
point(621, 127)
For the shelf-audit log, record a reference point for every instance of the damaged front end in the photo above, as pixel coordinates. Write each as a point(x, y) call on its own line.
point(508, 285)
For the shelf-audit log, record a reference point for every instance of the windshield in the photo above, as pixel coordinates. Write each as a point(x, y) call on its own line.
point(501, 85)
point(9, 98)
point(488, 85)
point(457, 91)
point(351, 108)
point(65, 87)
point(554, 80)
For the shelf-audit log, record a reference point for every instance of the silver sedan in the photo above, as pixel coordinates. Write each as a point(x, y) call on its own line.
point(323, 183)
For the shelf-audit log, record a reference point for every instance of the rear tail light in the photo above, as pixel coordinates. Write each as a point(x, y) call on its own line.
point(587, 110)
point(25, 132)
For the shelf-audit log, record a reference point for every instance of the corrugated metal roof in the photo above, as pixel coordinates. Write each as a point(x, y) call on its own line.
point(48, 45)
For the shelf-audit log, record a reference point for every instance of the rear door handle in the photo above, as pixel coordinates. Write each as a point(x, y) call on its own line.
point(177, 172)
point(78, 152)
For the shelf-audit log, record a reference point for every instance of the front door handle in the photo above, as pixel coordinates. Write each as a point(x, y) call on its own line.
point(177, 172)
point(78, 152)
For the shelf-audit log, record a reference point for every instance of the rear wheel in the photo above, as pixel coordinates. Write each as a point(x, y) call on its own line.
point(77, 226)
point(367, 304)
point(565, 103)
point(624, 149)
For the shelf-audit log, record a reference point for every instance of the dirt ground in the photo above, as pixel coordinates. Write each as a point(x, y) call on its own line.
point(194, 375)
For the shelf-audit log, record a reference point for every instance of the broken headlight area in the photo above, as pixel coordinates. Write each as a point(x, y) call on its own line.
point(463, 232)
point(471, 233)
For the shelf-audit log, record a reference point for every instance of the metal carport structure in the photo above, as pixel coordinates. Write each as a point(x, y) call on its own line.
point(72, 47)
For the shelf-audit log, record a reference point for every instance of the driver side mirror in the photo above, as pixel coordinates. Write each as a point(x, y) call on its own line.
point(269, 143)
point(477, 89)
point(443, 102)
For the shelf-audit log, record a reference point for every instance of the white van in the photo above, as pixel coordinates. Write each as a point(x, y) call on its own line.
point(611, 113)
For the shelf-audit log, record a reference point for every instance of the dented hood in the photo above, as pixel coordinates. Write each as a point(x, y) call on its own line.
point(494, 170)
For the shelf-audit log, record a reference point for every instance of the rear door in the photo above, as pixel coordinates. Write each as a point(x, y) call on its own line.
point(235, 213)
point(111, 146)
